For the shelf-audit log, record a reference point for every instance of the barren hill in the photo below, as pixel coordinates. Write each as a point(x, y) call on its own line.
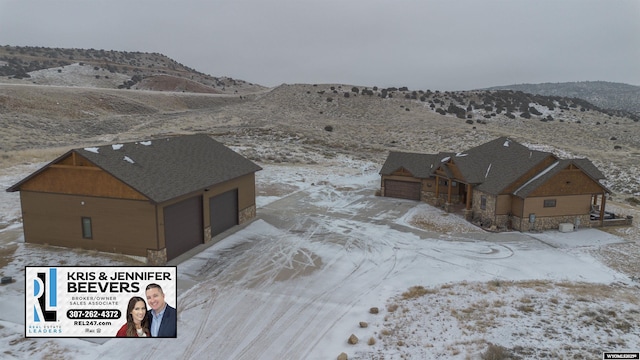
point(325, 118)
point(109, 69)
point(320, 130)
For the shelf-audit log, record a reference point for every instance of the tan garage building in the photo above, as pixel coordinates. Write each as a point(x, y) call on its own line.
point(155, 199)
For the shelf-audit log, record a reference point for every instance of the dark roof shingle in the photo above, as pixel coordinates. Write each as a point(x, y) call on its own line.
point(420, 166)
point(164, 169)
point(492, 166)
point(497, 164)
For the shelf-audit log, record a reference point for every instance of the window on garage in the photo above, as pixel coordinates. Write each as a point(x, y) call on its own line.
point(87, 232)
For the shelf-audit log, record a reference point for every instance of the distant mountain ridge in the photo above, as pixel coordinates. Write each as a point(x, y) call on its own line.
point(137, 70)
point(154, 71)
point(605, 95)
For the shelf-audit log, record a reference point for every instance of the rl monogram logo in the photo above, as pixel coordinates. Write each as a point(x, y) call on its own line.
point(47, 296)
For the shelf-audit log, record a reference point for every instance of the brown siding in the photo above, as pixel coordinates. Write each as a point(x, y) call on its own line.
point(402, 172)
point(400, 178)
point(75, 159)
point(80, 180)
point(565, 205)
point(517, 206)
point(429, 185)
point(503, 205)
point(568, 182)
point(120, 226)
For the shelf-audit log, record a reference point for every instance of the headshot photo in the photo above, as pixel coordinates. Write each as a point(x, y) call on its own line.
point(137, 324)
point(162, 317)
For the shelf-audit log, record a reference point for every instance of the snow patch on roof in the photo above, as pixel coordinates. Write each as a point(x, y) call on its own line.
point(129, 160)
point(146, 143)
point(506, 143)
point(117, 146)
point(461, 154)
point(445, 159)
point(487, 173)
point(537, 176)
point(92, 149)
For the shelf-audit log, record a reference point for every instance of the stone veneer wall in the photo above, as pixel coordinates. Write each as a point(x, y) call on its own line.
point(487, 216)
point(442, 198)
point(157, 257)
point(207, 234)
point(552, 222)
point(503, 222)
point(247, 214)
point(428, 196)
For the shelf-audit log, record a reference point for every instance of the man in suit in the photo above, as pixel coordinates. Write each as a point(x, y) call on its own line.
point(163, 317)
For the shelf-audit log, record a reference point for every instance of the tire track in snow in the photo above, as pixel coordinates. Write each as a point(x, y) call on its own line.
point(194, 344)
point(288, 316)
point(228, 322)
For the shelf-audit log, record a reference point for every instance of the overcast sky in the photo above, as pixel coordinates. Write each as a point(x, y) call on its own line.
point(422, 44)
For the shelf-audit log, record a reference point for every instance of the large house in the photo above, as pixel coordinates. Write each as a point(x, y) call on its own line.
point(501, 184)
point(155, 199)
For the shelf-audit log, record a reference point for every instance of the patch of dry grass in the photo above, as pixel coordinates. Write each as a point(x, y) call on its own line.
point(496, 352)
point(417, 291)
point(571, 313)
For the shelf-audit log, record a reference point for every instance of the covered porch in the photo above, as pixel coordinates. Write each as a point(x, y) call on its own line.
point(453, 195)
point(601, 218)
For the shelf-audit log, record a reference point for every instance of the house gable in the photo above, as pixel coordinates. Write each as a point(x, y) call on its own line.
point(450, 169)
point(165, 169)
point(563, 179)
point(73, 174)
point(402, 172)
point(420, 166)
point(497, 164)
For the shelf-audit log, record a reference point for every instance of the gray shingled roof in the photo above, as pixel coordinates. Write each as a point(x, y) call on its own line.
point(492, 166)
point(420, 166)
point(587, 166)
point(498, 163)
point(163, 169)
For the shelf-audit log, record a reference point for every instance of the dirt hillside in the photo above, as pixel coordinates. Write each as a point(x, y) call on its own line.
point(332, 118)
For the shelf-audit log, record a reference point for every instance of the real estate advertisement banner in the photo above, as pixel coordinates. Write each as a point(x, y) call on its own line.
point(73, 301)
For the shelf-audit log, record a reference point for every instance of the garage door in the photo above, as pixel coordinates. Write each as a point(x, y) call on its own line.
point(402, 189)
point(223, 210)
point(183, 228)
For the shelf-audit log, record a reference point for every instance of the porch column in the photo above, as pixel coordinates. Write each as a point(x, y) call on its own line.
point(449, 188)
point(468, 214)
point(437, 190)
point(602, 203)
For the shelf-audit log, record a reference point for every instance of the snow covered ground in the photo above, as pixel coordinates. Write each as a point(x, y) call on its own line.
point(303, 277)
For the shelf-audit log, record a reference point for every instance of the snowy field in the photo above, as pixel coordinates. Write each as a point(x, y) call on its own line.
point(298, 281)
